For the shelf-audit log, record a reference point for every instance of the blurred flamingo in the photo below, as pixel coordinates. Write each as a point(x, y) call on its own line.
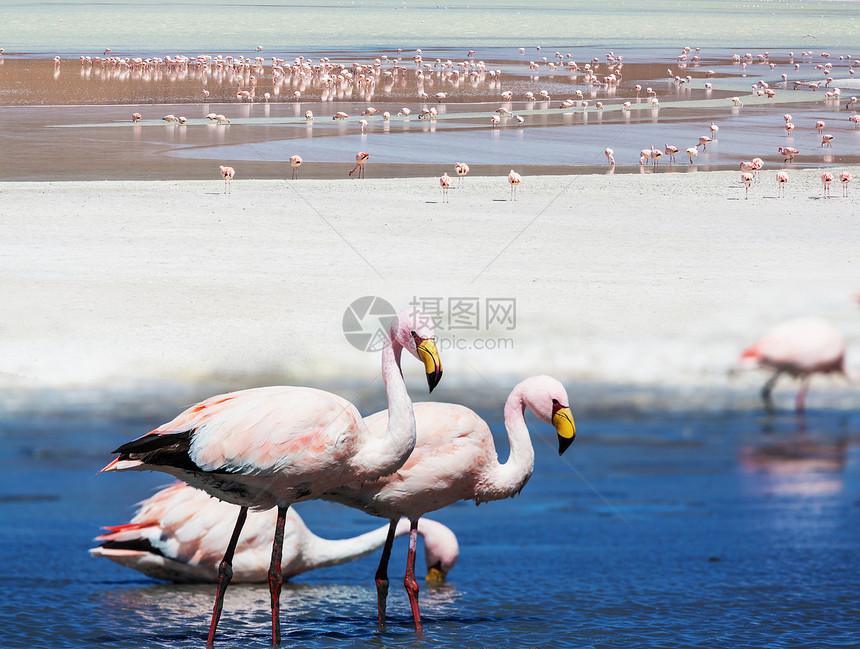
point(360, 159)
point(296, 162)
point(227, 173)
point(514, 179)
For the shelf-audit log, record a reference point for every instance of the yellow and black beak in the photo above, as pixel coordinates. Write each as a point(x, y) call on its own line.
point(428, 353)
point(435, 574)
point(562, 419)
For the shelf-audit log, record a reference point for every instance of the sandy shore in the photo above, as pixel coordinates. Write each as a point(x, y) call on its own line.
point(653, 280)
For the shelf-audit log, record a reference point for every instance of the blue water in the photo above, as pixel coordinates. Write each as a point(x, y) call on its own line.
point(155, 26)
point(656, 529)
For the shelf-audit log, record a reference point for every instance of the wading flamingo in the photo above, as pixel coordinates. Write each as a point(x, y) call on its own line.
point(136, 117)
point(227, 173)
point(789, 127)
point(462, 170)
point(826, 179)
point(781, 179)
point(827, 140)
point(514, 179)
point(671, 151)
point(609, 153)
point(788, 153)
point(845, 178)
point(819, 126)
point(714, 129)
point(455, 459)
point(746, 179)
point(445, 183)
point(273, 446)
point(692, 152)
point(360, 159)
point(296, 162)
point(179, 535)
point(703, 142)
point(800, 348)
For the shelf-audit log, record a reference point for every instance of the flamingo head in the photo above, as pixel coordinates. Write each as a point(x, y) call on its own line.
point(548, 399)
point(415, 331)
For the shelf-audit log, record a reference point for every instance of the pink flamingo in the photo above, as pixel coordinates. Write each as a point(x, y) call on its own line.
point(136, 117)
point(179, 535)
point(296, 162)
point(746, 179)
point(757, 164)
point(273, 446)
point(819, 126)
point(455, 459)
point(227, 173)
point(826, 179)
point(827, 140)
point(445, 183)
point(703, 142)
point(692, 152)
point(789, 127)
point(360, 159)
point(788, 153)
point(514, 179)
point(800, 348)
point(781, 179)
point(671, 151)
point(845, 178)
point(609, 153)
point(462, 169)
point(714, 129)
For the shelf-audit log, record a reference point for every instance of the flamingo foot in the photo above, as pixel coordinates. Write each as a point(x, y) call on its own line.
point(225, 574)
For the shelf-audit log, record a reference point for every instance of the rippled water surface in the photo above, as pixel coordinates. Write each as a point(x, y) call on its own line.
point(682, 530)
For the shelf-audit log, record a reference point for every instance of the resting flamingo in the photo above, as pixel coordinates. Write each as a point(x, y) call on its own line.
point(179, 535)
point(845, 178)
point(514, 179)
point(609, 153)
point(800, 347)
point(445, 183)
point(227, 173)
point(826, 179)
point(273, 446)
point(746, 179)
point(781, 179)
point(296, 162)
point(462, 170)
point(455, 459)
point(360, 159)
point(671, 151)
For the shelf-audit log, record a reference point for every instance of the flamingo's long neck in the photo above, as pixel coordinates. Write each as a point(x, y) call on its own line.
point(383, 455)
point(506, 480)
point(318, 552)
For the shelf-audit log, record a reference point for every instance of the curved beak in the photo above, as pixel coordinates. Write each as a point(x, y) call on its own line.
point(562, 419)
point(429, 355)
point(435, 575)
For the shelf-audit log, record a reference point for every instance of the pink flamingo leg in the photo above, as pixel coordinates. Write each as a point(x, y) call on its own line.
point(800, 400)
point(225, 573)
point(382, 573)
point(409, 580)
point(275, 579)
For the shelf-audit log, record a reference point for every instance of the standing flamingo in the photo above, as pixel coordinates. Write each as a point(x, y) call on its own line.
point(789, 127)
point(179, 535)
point(819, 126)
point(514, 179)
point(826, 179)
point(845, 178)
point(455, 459)
point(827, 140)
point(136, 117)
point(800, 348)
point(360, 159)
point(714, 129)
point(462, 170)
point(692, 152)
point(788, 153)
point(746, 179)
point(445, 183)
point(227, 173)
point(609, 153)
point(273, 446)
point(781, 179)
point(296, 162)
point(703, 142)
point(671, 151)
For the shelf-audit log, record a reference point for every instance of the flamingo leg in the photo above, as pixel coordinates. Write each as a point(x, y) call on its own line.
point(800, 400)
point(382, 573)
point(225, 574)
point(275, 579)
point(767, 389)
point(409, 580)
